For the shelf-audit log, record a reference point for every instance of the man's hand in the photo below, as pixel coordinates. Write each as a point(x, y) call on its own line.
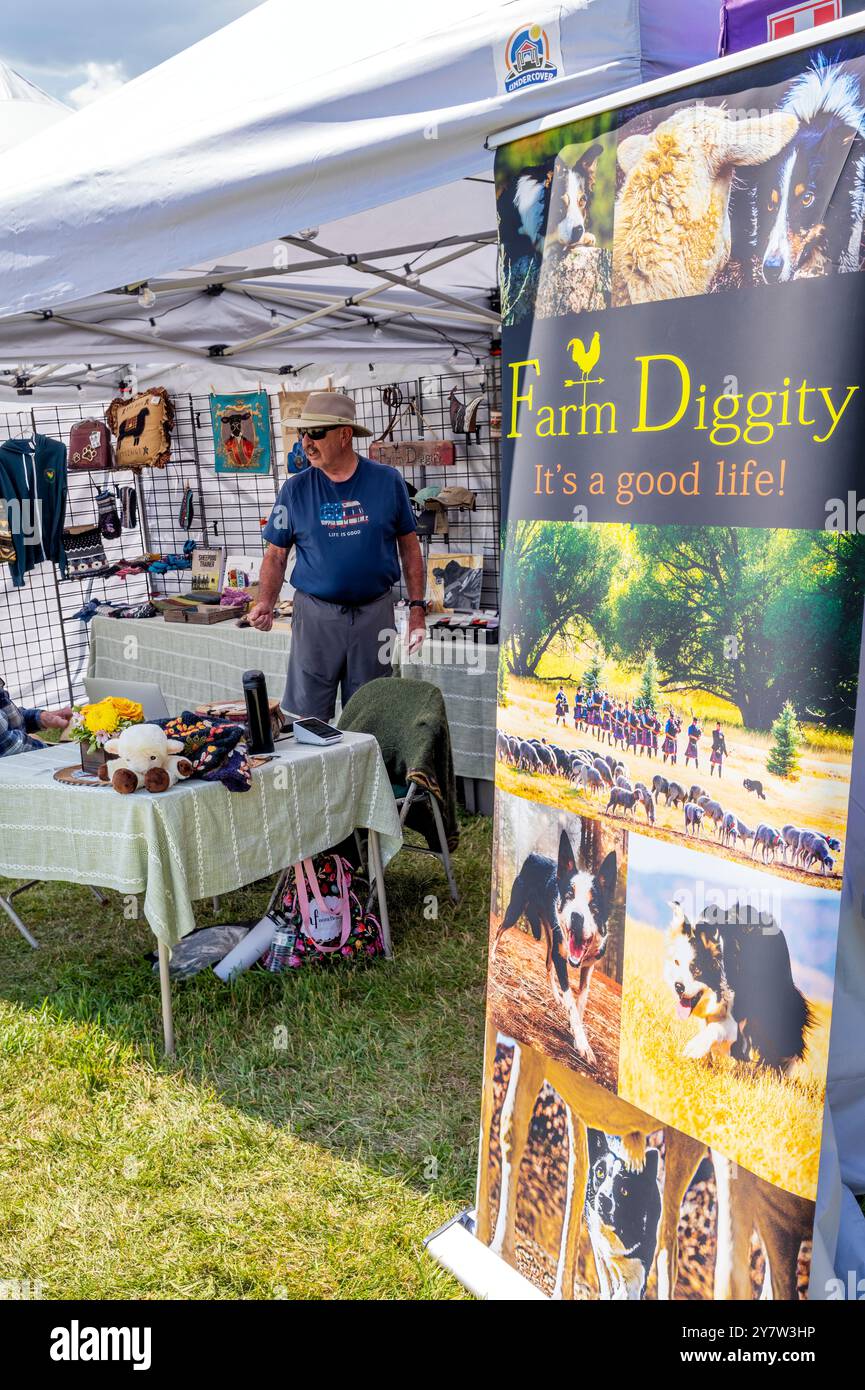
point(416, 629)
point(55, 718)
point(261, 617)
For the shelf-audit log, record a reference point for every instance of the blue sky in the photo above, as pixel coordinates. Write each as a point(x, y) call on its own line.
point(80, 51)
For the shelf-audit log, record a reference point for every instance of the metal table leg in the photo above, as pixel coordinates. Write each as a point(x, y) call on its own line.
point(165, 990)
point(16, 922)
point(378, 872)
point(6, 905)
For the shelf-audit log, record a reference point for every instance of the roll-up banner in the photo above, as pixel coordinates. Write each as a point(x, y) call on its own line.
point(684, 413)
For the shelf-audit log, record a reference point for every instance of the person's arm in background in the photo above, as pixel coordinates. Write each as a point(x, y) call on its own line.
point(413, 573)
point(279, 535)
point(270, 585)
point(31, 719)
point(50, 718)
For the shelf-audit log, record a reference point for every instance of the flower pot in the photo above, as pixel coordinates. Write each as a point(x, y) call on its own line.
point(92, 761)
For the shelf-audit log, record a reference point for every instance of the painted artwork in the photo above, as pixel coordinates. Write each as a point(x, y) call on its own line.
point(241, 432)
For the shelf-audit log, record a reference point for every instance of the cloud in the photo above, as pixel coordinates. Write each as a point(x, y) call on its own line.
point(54, 43)
point(101, 78)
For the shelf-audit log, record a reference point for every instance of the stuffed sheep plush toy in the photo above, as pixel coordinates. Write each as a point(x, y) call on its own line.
point(146, 758)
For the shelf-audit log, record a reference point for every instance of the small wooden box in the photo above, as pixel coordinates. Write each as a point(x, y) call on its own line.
point(201, 613)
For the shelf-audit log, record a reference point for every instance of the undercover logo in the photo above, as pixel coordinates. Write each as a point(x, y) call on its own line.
point(528, 58)
point(77, 1343)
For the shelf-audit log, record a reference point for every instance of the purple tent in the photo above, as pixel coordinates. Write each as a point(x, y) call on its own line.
point(745, 23)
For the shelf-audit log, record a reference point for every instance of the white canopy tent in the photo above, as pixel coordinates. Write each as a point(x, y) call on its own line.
point(347, 145)
point(24, 108)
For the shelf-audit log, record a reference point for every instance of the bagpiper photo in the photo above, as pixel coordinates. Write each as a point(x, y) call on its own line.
point(697, 684)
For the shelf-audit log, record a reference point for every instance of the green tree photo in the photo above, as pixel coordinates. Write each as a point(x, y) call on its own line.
point(783, 757)
point(649, 694)
point(555, 575)
point(755, 617)
point(593, 673)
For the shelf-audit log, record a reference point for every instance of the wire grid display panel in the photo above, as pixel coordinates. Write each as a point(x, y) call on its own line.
point(477, 464)
point(44, 645)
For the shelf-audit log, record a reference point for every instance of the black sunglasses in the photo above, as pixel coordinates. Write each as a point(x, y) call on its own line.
point(319, 432)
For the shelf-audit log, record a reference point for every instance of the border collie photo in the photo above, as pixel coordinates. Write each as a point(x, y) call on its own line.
point(730, 970)
point(556, 925)
point(774, 173)
point(726, 1007)
point(623, 1213)
point(590, 1198)
point(555, 225)
point(806, 207)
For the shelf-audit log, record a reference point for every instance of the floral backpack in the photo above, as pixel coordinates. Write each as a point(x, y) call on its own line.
point(322, 917)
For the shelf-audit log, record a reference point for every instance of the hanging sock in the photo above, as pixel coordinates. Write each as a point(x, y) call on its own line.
point(128, 507)
point(107, 513)
point(187, 510)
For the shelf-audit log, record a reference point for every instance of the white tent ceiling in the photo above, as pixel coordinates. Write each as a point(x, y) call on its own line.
point(356, 132)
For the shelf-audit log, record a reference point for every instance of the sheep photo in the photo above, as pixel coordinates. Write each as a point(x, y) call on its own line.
point(717, 190)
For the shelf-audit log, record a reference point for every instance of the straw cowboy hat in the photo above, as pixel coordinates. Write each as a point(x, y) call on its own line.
point(328, 408)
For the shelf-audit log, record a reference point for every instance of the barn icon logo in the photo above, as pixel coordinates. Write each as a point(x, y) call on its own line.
point(528, 58)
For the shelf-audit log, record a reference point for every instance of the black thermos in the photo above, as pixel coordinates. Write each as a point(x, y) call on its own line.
point(257, 712)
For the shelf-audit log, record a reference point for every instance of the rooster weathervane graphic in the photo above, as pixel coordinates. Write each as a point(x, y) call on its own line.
point(586, 358)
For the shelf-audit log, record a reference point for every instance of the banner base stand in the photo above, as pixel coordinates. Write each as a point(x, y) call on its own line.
point(483, 1273)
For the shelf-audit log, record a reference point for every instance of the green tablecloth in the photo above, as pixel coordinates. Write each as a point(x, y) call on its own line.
point(193, 664)
point(469, 693)
point(197, 839)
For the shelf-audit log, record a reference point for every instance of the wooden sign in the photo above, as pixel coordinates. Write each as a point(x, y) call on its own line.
point(415, 453)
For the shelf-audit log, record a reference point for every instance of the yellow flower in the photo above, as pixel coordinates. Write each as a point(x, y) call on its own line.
point(110, 714)
point(100, 717)
point(127, 709)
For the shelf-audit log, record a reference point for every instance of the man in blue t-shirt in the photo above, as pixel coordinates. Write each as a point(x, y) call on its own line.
point(351, 523)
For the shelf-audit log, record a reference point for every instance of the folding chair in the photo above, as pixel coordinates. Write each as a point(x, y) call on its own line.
point(394, 711)
point(405, 796)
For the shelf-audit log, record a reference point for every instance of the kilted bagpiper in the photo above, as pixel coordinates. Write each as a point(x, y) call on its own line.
point(695, 733)
point(719, 751)
point(670, 748)
point(579, 706)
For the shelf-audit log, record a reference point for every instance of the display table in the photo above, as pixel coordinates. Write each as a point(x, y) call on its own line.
point(190, 664)
point(196, 840)
point(193, 664)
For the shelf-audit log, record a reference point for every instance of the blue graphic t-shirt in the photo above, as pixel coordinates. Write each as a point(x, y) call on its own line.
point(344, 534)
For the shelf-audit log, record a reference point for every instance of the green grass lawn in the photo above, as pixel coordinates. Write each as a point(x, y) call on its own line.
point(312, 1130)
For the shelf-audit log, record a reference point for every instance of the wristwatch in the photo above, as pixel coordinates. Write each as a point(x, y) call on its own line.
point(418, 603)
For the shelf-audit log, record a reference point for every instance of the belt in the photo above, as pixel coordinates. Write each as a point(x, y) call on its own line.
point(350, 605)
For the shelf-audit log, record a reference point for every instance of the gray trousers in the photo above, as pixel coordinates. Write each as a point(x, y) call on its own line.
point(332, 647)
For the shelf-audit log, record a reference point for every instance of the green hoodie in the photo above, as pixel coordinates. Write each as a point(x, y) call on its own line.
point(34, 471)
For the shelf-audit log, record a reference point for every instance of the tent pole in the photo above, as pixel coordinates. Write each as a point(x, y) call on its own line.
point(336, 259)
point(281, 292)
point(367, 268)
